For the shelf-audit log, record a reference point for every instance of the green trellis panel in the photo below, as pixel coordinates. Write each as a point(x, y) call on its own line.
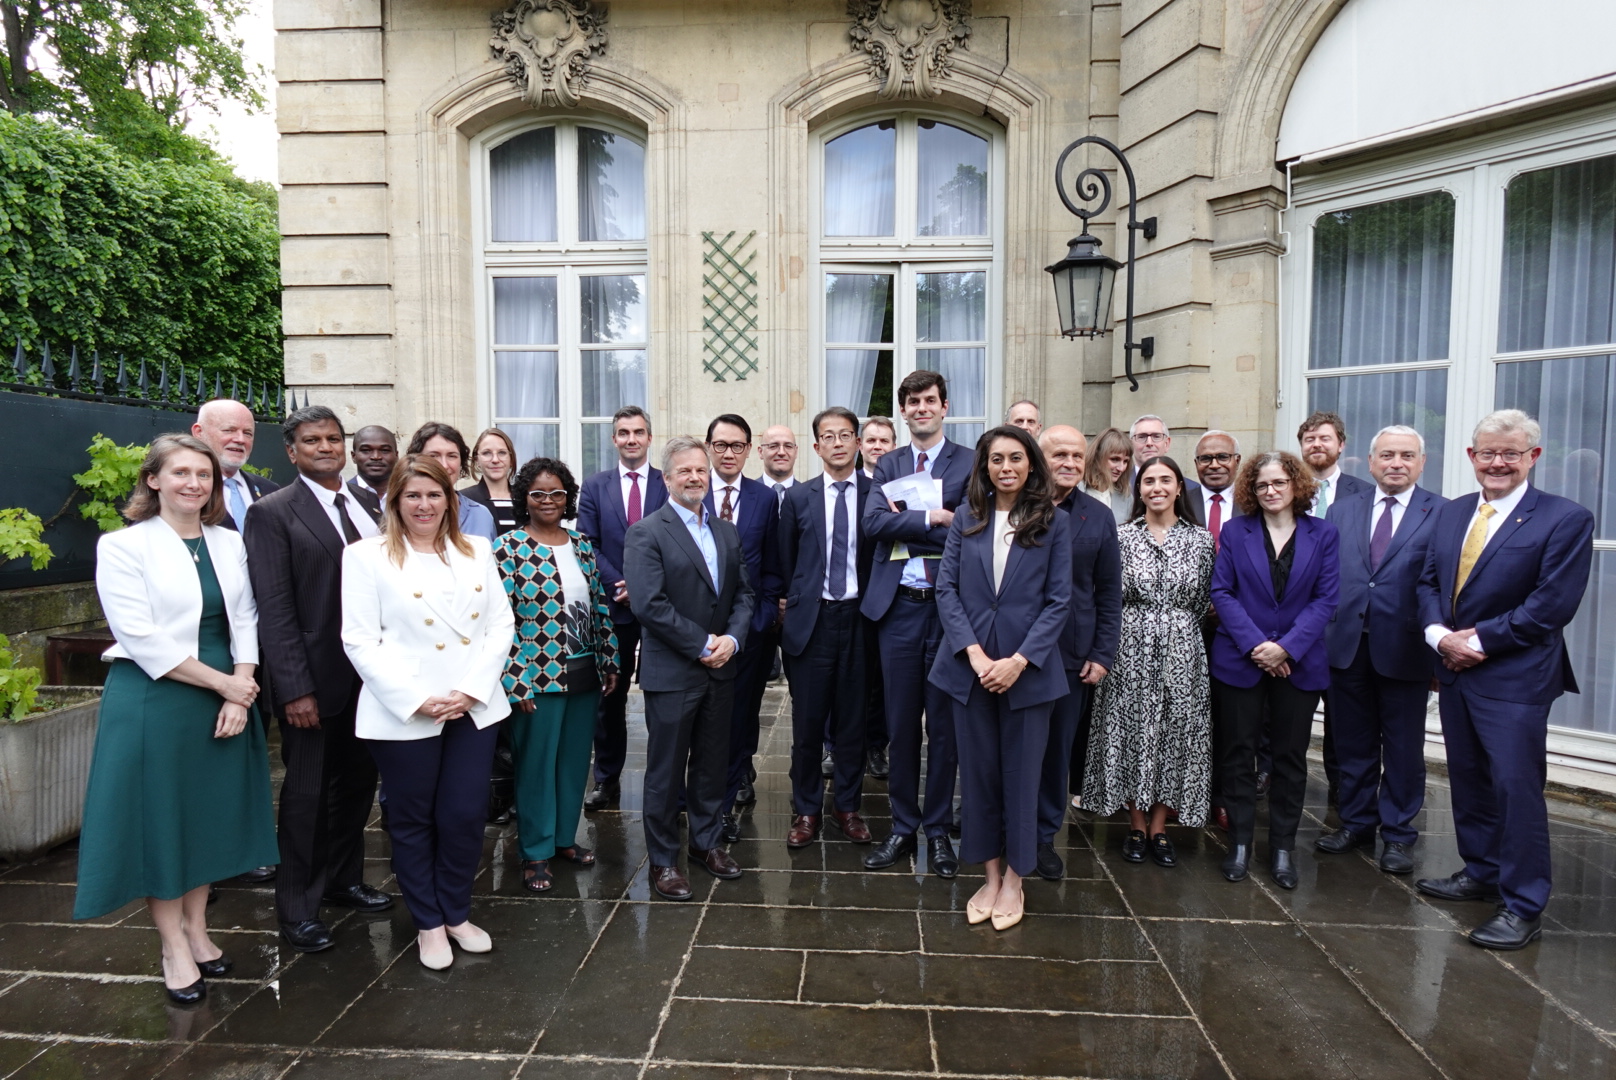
point(729, 300)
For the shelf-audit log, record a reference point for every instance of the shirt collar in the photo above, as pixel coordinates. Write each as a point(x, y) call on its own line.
point(1402, 500)
point(689, 517)
point(719, 484)
point(326, 496)
point(1334, 475)
point(1508, 503)
point(624, 470)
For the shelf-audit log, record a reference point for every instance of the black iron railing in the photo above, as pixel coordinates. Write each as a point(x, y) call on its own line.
point(154, 386)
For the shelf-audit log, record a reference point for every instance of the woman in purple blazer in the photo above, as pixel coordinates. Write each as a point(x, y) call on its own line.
point(1274, 588)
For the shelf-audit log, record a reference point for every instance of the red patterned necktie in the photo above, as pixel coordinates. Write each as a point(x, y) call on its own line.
point(1214, 520)
point(727, 512)
point(633, 497)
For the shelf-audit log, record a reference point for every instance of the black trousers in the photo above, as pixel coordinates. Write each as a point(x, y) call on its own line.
point(1066, 755)
point(750, 682)
point(611, 723)
point(326, 798)
point(875, 698)
point(828, 701)
point(686, 751)
point(1290, 725)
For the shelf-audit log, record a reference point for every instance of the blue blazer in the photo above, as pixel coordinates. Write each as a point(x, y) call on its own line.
point(1026, 614)
point(883, 528)
point(604, 519)
point(802, 549)
point(758, 523)
point(1248, 615)
point(1523, 590)
point(1096, 620)
point(1381, 603)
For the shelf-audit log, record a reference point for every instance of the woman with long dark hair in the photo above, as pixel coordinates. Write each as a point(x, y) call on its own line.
point(1150, 748)
point(1003, 590)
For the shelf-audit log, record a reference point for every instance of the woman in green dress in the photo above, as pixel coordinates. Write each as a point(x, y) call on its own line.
point(179, 792)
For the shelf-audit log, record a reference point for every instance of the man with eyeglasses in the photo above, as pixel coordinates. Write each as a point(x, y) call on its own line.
point(1152, 439)
point(1506, 572)
point(778, 452)
point(754, 510)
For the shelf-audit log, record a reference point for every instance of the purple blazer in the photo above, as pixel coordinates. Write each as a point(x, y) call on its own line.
point(1243, 597)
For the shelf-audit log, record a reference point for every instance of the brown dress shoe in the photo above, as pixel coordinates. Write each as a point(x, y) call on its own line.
point(670, 883)
point(804, 831)
point(717, 862)
point(852, 826)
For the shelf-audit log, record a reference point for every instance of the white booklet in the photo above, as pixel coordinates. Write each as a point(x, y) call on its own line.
point(917, 491)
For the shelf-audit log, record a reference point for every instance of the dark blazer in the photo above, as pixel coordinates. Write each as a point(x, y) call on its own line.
point(1523, 590)
point(883, 528)
point(1027, 613)
point(759, 514)
point(259, 487)
point(678, 605)
point(1380, 603)
point(366, 497)
point(802, 550)
point(294, 557)
point(604, 519)
point(1248, 615)
point(1095, 624)
point(478, 493)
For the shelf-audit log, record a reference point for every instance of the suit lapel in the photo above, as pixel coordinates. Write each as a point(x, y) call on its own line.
point(816, 492)
point(1415, 515)
point(306, 505)
point(982, 549)
point(1256, 553)
point(1307, 549)
point(440, 605)
point(615, 498)
point(687, 543)
point(1522, 514)
point(1017, 553)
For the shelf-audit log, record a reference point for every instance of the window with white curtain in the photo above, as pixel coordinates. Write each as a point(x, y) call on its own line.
point(907, 269)
point(564, 263)
point(1476, 276)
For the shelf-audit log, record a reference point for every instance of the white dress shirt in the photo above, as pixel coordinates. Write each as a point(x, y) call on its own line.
point(1399, 505)
point(719, 486)
point(1003, 537)
point(1503, 507)
point(1227, 509)
point(356, 513)
point(624, 483)
point(851, 513)
point(702, 533)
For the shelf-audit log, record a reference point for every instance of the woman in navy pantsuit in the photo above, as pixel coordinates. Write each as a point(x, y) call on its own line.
point(1002, 595)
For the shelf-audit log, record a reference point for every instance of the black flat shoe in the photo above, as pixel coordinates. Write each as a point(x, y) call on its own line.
point(878, 768)
point(1506, 931)
point(359, 897)
point(1396, 859)
point(1050, 866)
point(730, 830)
point(940, 853)
point(258, 876)
point(215, 969)
point(1343, 840)
point(1237, 863)
point(1458, 887)
point(600, 797)
point(890, 850)
point(1133, 848)
point(1161, 851)
point(1282, 868)
point(310, 935)
point(188, 995)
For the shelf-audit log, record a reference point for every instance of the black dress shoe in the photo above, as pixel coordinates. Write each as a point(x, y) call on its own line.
point(730, 831)
point(1458, 887)
point(1161, 851)
point(360, 897)
point(1396, 859)
point(188, 995)
point(1133, 846)
point(955, 825)
point(1282, 868)
point(600, 797)
point(1050, 866)
point(940, 853)
point(215, 969)
point(1506, 931)
point(890, 850)
point(827, 765)
point(1237, 863)
point(259, 875)
point(1343, 840)
point(310, 935)
point(747, 794)
point(1264, 780)
point(878, 768)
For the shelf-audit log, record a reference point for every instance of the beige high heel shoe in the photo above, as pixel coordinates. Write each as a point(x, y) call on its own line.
point(978, 913)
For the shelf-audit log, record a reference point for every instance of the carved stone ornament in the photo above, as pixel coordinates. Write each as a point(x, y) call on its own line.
point(909, 42)
point(547, 45)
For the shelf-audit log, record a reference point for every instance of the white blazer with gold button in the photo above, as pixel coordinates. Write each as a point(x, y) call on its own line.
point(410, 640)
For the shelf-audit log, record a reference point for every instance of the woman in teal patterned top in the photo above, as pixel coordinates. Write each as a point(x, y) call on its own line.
point(564, 658)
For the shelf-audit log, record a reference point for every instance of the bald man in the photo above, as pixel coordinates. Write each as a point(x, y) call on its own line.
point(228, 427)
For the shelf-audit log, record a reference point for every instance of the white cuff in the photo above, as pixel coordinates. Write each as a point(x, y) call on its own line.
point(1434, 634)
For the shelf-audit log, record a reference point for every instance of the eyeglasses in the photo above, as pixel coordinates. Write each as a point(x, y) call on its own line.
point(548, 496)
point(1271, 485)
point(1207, 459)
point(494, 452)
point(1508, 457)
point(838, 437)
point(729, 447)
point(773, 447)
point(1150, 436)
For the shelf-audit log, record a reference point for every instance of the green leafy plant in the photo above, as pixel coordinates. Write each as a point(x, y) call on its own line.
point(19, 538)
point(256, 470)
point(109, 480)
point(18, 685)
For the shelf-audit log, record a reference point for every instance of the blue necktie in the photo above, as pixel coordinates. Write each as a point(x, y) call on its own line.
point(838, 543)
point(235, 503)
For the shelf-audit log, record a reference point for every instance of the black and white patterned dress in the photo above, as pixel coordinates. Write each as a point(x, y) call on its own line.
point(1151, 740)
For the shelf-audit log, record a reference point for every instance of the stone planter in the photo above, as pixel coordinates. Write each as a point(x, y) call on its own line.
point(44, 766)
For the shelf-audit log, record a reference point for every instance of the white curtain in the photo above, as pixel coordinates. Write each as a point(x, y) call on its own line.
point(858, 311)
point(1559, 287)
point(860, 172)
point(525, 384)
point(524, 311)
point(952, 192)
point(1367, 403)
point(612, 308)
point(611, 186)
point(612, 378)
point(951, 307)
point(534, 440)
point(522, 188)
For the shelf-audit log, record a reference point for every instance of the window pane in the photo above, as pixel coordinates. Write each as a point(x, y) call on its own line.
point(599, 453)
point(952, 194)
point(859, 181)
point(1383, 283)
point(1591, 640)
point(613, 308)
point(1559, 287)
point(525, 384)
point(611, 186)
point(852, 376)
point(522, 188)
point(1368, 403)
point(966, 434)
point(525, 311)
point(965, 370)
point(1575, 401)
point(951, 307)
point(612, 378)
point(858, 308)
point(534, 440)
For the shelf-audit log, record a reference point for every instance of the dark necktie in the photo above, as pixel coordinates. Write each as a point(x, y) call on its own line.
point(633, 497)
point(838, 543)
point(1214, 519)
point(727, 512)
point(925, 564)
point(350, 534)
point(1382, 538)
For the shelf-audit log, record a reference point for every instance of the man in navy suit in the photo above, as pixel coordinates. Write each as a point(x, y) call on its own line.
point(907, 546)
point(228, 428)
point(1380, 675)
point(823, 634)
point(1088, 644)
point(754, 511)
point(1506, 572)
point(609, 502)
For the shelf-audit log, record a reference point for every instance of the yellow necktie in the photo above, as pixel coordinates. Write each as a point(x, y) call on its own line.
point(1475, 540)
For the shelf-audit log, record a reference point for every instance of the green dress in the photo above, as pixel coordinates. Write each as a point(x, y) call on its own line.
point(169, 807)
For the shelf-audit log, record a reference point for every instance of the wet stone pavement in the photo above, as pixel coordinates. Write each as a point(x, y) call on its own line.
point(811, 967)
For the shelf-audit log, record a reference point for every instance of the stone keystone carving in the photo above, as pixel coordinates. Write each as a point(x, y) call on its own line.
point(909, 42)
point(547, 45)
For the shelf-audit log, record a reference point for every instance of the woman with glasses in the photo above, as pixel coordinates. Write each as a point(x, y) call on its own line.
point(493, 459)
point(1106, 476)
point(564, 659)
point(1274, 589)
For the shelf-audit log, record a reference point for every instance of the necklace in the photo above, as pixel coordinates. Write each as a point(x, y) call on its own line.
point(196, 552)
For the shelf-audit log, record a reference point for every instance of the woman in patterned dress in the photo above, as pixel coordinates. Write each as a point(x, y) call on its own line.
point(564, 659)
point(1151, 745)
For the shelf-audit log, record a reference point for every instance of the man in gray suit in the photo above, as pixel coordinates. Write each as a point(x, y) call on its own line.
point(686, 573)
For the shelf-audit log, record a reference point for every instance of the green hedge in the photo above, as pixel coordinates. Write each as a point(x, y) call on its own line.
point(156, 260)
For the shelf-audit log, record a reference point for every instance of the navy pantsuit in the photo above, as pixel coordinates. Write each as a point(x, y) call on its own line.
point(1002, 753)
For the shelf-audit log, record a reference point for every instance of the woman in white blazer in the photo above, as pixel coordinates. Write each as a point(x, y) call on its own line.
point(427, 626)
point(179, 792)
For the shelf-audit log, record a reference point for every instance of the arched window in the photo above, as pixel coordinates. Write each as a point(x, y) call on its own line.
point(564, 276)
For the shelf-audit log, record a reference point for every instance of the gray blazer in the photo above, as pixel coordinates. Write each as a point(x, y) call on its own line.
point(677, 604)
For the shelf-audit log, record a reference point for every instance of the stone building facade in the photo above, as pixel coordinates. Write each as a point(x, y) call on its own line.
point(531, 215)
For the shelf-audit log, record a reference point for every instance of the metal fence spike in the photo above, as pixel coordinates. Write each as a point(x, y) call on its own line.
point(19, 362)
point(162, 383)
point(73, 370)
point(218, 386)
point(123, 376)
point(305, 397)
point(48, 366)
point(179, 394)
point(95, 372)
